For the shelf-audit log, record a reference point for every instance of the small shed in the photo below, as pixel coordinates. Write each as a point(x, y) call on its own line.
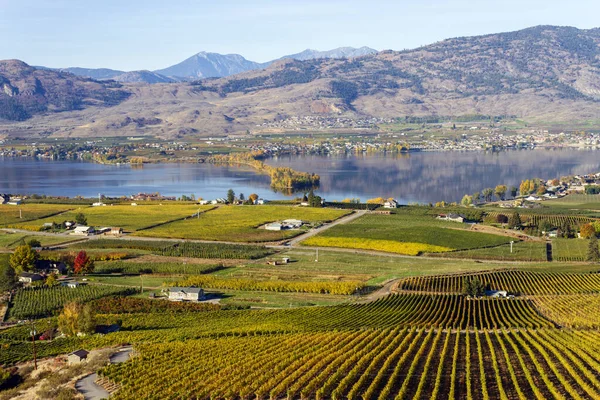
point(186, 294)
point(77, 356)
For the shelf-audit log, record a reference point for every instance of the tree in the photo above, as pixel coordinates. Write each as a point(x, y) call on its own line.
point(466, 200)
point(555, 182)
point(545, 226)
point(23, 259)
point(77, 318)
point(230, 196)
point(593, 253)
point(513, 192)
point(476, 197)
point(34, 243)
point(500, 191)
point(376, 200)
point(487, 194)
point(253, 197)
point(5, 376)
point(242, 197)
point(83, 264)
point(541, 190)
point(565, 230)
point(587, 231)
point(514, 221)
point(473, 287)
point(311, 197)
point(51, 280)
point(501, 219)
point(80, 219)
point(8, 278)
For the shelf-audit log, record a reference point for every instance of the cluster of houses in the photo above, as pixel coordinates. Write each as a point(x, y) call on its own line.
point(284, 225)
point(151, 196)
point(10, 200)
point(42, 269)
point(452, 217)
point(82, 230)
point(221, 200)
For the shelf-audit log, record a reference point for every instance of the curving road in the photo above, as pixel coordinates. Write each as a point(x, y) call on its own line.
point(87, 385)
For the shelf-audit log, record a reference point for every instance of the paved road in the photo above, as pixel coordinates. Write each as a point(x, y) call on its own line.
point(87, 386)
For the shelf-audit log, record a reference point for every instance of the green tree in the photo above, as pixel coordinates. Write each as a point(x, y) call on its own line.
point(51, 280)
point(545, 226)
point(80, 219)
point(476, 197)
point(473, 287)
point(8, 278)
point(23, 259)
point(311, 197)
point(593, 252)
point(513, 192)
point(514, 221)
point(487, 194)
point(242, 197)
point(34, 243)
point(230, 196)
point(466, 200)
point(500, 191)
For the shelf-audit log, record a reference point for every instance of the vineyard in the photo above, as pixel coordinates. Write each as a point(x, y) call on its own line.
point(184, 249)
point(412, 232)
point(273, 285)
point(43, 301)
point(155, 268)
point(368, 364)
point(569, 249)
point(572, 311)
point(10, 215)
point(513, 281)
point(521, 251)
point(555, 220)
point(128, 217)
point(241, 224)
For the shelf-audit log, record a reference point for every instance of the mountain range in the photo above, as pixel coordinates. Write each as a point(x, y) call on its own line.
point(208, 65)
point(544, 75)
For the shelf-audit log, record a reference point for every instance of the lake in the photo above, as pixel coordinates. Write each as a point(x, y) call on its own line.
point(415, 177)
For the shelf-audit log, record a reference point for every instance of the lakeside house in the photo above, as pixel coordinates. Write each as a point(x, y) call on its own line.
point(186, 294)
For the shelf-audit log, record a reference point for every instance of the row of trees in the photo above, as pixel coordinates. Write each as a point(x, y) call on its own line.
point(25, 257)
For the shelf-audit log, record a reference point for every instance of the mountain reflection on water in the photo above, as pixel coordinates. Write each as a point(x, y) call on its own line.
point(422, 177)
point(433, 176)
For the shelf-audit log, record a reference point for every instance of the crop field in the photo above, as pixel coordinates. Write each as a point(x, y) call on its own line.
point(111, 267)
point(370, 364)
point(41, 302)
point(569, 249)
point(11, 215)
point(513, 281)
point(573, 311)
point(577, 201)
point(183, 249)
point(12, 240)
point(408, 233)
point(522, 251)
point(130, 218)
point(555, 220)
point(242, 224)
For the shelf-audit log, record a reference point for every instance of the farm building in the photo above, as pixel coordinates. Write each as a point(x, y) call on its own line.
point(274, 226)
point(83, 231)
point(77, 356)
point(72, 284)
point(452, 217)
point(116, 231)
point(186, 294)
point(496, 293)
point(28, 277)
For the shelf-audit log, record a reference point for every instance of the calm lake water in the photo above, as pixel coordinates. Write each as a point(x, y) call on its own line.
point(416, 177)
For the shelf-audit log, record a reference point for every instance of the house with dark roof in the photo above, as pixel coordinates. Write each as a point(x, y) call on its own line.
point(77, 356)
point(186, 294)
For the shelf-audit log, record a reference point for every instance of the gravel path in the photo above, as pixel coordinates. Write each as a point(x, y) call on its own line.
point(87, 386)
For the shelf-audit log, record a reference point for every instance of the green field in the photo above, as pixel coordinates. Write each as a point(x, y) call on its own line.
point(130, 218)
point(569, 249)
point(522, 251)
point(11, 215)
point(12, 240)
point(242, 223)
point(409, 231)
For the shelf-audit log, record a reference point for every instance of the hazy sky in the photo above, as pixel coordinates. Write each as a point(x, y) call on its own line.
point(152, 34)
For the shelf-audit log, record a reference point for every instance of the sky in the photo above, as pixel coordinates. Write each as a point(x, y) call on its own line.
point(153, 34)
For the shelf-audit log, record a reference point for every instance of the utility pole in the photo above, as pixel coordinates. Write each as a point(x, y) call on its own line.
point(33, 333)
point(20, 213)
point(511, 246)
point(317, 258)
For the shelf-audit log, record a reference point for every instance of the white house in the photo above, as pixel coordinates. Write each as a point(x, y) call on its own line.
point(83, 231)
point(390, 204)
point(261, 202)
point(274, 226)
point(496, 293)
point(28, 277)
point(186, 294)
point(533, 198)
